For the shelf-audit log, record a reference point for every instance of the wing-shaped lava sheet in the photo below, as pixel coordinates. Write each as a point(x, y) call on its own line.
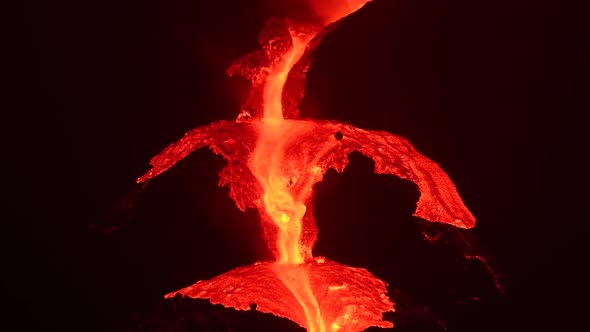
point(348, 298)
point(235, 141)
point(308, 148)
point(311, 147)
point(331, 142)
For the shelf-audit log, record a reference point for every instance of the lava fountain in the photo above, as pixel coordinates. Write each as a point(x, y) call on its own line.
point(273, 161)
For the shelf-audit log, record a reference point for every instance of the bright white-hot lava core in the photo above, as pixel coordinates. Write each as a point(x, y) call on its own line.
point(273, 161)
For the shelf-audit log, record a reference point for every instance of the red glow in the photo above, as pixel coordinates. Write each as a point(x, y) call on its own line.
point(273, 162)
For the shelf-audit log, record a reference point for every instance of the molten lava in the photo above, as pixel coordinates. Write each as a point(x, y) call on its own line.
point(273, 161)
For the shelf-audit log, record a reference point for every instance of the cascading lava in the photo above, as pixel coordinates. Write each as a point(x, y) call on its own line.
point(273, 161)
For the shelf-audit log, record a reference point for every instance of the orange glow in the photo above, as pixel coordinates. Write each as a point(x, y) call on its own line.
point(274, 160)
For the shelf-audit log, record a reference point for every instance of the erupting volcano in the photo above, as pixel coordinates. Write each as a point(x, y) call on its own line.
point(274, 160)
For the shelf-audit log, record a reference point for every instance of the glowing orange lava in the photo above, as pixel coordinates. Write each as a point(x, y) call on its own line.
point(273, 162)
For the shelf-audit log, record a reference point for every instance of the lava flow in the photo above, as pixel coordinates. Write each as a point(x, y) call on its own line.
point(273, 161)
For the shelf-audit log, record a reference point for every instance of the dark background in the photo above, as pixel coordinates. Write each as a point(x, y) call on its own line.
point(491, 90)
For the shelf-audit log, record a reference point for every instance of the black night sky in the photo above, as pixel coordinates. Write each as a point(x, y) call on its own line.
point(490, 90)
